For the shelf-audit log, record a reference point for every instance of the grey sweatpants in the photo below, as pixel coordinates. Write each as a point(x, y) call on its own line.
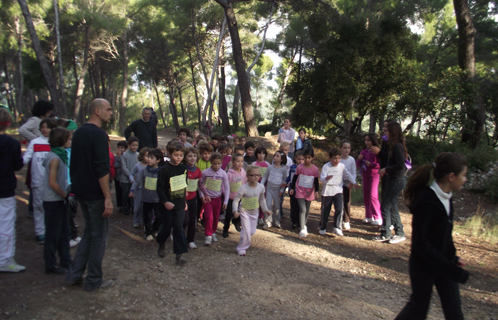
point(304, 211)
point(273, 203)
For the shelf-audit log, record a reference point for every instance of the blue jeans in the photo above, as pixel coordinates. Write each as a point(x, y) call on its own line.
point(91, 249)
point(389, 207)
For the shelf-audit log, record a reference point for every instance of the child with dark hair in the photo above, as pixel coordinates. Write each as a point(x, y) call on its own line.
point(205, 151)
point(171, 188)
point(215, 142)
point(294, 206)
point(128, 160)
point(302, 142)
point(147, 180)
point(249, 156)
point(183, 134)
point(369, 167)
point(194, 175)
point(54, 204)
point(305, 187)
point(31, 129)
point(35, 153)
point(200, 138)
point(137, 191)
point(236, 178)
point(350, 164)
point(223, 150)
point(237, 150)
point(275, 178)
point(213, 184)
point(433, 259)
point(332, 176)
point(11, 160)
point(224, 140)
point(122, 147)
point(261, 155)
point(243, 141)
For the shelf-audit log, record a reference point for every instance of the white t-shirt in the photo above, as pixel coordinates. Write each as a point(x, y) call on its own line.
point(334, 185)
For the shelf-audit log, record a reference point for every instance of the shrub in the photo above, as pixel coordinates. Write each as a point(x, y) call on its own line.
point(480, 157)
point(491, 187)
point(482, 225)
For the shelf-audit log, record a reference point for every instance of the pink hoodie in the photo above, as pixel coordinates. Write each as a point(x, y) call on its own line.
point(236, 177)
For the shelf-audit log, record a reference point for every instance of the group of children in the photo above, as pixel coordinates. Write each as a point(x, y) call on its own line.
point(176, 188)
point(215, 173)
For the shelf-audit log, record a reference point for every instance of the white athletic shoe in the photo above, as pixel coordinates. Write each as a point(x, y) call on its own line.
point(12, 266)
point(208, 240)
point(149, 238)
point(391, 227)
point(323, 232)
point(376, 222)
point(347, 226)
point(191, 245)
point(303, 233)
point(367, 220)
point(74, 242)
point(338, 232)
point(214, 237)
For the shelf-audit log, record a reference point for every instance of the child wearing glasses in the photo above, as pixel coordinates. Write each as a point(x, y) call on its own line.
point(251, 196)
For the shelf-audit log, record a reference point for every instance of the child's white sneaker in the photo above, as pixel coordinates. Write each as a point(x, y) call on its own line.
point(208, 240)
point(12, 266)
point(149, 238)
point(214, 237)
point(323, 232)
point(367, 220)
point(303, 233)
point(338, 232)
point(376, 222)
point(278, 225)
point(347, 226)
point(191, 245)
point(267, 225)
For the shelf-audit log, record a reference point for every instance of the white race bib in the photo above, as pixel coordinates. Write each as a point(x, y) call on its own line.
point(306, 181)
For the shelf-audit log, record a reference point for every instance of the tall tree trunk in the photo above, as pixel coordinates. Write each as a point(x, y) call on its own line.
point(245, 92)
point(473, 127)
point(59, 60)
point(20, 80)
point(47, 74)
point(235, 108)
point(373, 123)
point(159, 102)
point(184, 118)
point(222, 103)
point(281, 94)
point(80, 86)
point(124, 95)
point(172, 107)
point(195, 91)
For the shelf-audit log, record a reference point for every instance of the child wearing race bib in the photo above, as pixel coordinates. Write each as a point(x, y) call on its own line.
point(236, 178)
point(250, 197)
point(275, 178)
point(147, 178)
point(305, 187)
point(261, 155)
point(194, 175)
point(332, 176)
point(214, 183)
point(171, 188)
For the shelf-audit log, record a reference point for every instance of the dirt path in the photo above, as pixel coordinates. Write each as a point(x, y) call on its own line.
point(282, 277)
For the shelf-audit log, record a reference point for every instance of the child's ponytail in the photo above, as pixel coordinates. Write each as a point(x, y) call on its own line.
point(444, 164)
point(417, 182)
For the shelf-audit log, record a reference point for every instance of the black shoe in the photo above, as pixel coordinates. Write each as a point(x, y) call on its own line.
point(180, 259)
point(237, 226)
point(161, 251)
point(57, 270)
point(76, 282)
point(225, 233)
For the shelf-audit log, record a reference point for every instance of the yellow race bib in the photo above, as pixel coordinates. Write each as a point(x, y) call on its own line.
point(178, 182)
point(262, 170)
point(150, 183)
point(250, 203)
point(213, 185)
point(192, 185)
point(235, 186)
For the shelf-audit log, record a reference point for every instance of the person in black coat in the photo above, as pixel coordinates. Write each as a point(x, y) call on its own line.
point(433, 259)
point(144, 129)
